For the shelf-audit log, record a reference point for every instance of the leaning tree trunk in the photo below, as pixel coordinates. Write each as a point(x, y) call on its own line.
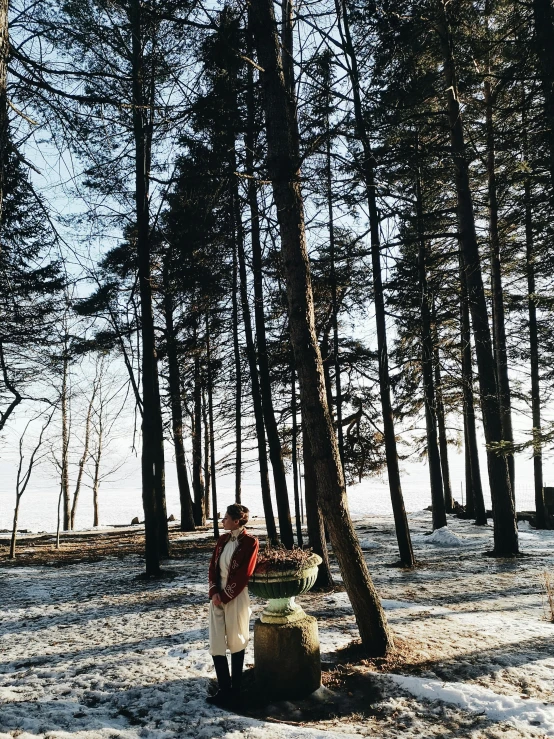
point(174, 387)
point(498, 314)
point(4, 138)
point(314, 519)
point(474, 487)
point(368, 173)
point(433, 455)
point(283, 162)
point(505, 527)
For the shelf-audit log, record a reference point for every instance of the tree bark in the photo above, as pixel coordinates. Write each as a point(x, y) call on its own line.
point(433, 455)
point(368, 173)
point(443, 439)
point(207, 442)
point(174, 387)
point(294, 454)
point(238, 373)
point(314, 519)
point(505, 528)
point(283, 163)
point(334, 299)
point(84, 456)
point(441, 417)
point(4, 123)
point(498, 314)
point(544, 34)
point(474, 487)
point(65, 441)
point(153, 493)
point(13, 540)
point(256, 393)
point(211, 425)
point(470, 498)
point(197, 477)
point(96, 479)
point(273, 440)
point(541, 518)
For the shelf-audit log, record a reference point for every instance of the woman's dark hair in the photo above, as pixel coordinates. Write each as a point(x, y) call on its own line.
point(239, 513)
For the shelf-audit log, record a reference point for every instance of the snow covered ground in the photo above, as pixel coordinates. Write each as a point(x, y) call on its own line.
point(88, 651)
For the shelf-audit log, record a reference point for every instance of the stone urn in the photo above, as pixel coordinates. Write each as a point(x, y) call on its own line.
point(281, 587)
point(287, 660)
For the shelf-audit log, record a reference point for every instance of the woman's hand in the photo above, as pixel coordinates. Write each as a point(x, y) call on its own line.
point(216, 600)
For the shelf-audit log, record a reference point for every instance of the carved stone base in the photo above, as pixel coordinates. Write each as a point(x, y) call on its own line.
point(282, 611)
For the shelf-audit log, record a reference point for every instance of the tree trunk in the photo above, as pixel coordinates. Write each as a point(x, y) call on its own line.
point(441, 417)
point(13, 540)
point(505, 528)
point(294, 447)
point(174, 387)
point(96, 480)
point(499, 323)
point(470, 498)
point(4, 123)
point(314, 519)
point(197, 477)
point(544, 34)
point(153, 494)
point(334, 299)
point(283, 162)
point(238, 377)
point(541, 519)
point(368, 173)
point(433, 455)
point(207, 442)
point(273, 440)
point(84, 456)
point(443, 439)
point(474, 487)
point(256, 394)
point(211, 425)
point(65, 442)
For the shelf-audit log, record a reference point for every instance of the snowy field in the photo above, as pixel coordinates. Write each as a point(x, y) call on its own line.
point(121, 501)
point(88, 651)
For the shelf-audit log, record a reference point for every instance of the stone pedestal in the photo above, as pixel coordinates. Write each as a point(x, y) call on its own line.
point(287, 661)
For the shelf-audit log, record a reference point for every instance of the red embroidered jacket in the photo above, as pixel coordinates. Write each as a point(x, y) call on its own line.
point(241, 567)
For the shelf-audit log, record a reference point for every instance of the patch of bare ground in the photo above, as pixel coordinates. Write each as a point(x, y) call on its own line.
point(92, 546)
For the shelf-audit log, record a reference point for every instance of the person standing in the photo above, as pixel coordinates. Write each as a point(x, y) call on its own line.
point(233, 561)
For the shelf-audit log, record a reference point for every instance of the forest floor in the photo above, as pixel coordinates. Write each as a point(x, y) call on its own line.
point(89, 650)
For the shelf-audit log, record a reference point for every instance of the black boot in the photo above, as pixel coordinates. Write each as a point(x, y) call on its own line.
point(223, 695)
point(237, 662)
